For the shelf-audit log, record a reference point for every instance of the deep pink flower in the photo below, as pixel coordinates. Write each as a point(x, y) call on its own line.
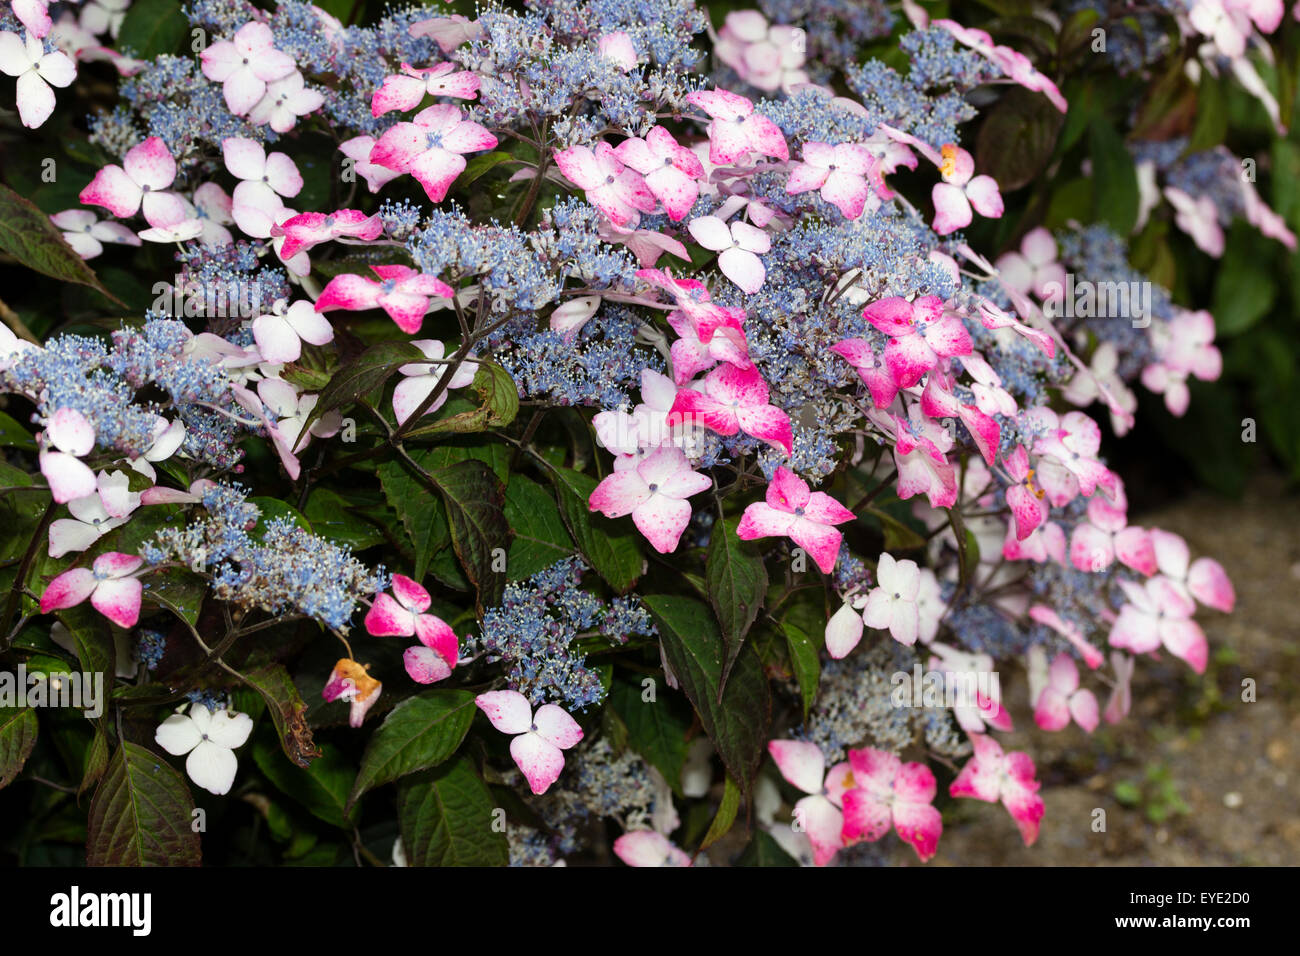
point(349, 682)
point(734, 400)
point(404, 91)
point(871, 369)
point(403, 615)
point(309, 229)
point(991, 776)
point(805, 517)
point(920, 333)
point(401, 291)
point(889, 793)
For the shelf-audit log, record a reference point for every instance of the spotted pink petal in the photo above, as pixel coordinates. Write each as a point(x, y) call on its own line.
point(540, 760)
point(1210, 585)
point(424, 665)
point(508, 710)
point(433, 632)
point(556, 726)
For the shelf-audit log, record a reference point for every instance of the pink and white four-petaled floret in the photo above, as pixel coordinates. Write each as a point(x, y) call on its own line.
point(540, 738)
point(1061, 698)
point(736, 129)
point(806, 517)
point(671, 171)
point(618, 191)
point(140, 183)
point(959, 192)
point(654, 492)
point(110, 584)
point(404, 91)
point(245, 64)
point(431, 147)
point(840, 174)
point(819, 814)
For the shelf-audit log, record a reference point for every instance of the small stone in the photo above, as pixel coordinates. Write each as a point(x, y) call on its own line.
point(1276, 751)
point(1232, 800)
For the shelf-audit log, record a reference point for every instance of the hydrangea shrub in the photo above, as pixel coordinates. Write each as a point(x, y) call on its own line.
point(527, 434)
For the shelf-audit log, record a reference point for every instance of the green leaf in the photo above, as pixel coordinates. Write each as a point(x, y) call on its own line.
point(288, 711)
point(27, 234)
point(726, 817)
point(322, 789)
point(540, 536)
point(418, 733)
point(805, 660)
point(736, 721)
point(1114, 174)
point(1017, 138)
point(736, 579)
point(479, 165)
point(141, 814)
point(93, 638)
point(611, 547)
point(1245, 288)
point(474, 497)
point(363, 375)
point(178, 591)
point(656, 729)
point(1211, 116)
point(153, 27)
point(422, 513)
point(898, 536)
point(331, 515)
point(14, 435)
point(763, 850)
point(96, 761)
point(448, 818)
point(18, 729)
